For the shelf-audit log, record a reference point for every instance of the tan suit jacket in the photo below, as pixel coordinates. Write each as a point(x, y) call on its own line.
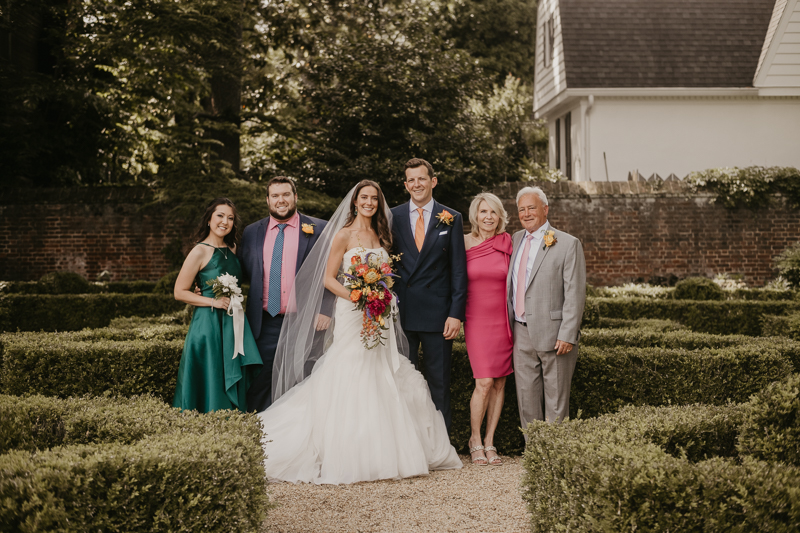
point(556, 291)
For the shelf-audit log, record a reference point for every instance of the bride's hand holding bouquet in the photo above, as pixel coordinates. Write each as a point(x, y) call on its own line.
point(369, 281)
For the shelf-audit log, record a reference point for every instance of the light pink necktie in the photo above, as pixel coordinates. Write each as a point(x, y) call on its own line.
point(522, 278)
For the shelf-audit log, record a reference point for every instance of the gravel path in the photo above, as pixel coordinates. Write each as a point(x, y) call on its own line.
point(475, 498)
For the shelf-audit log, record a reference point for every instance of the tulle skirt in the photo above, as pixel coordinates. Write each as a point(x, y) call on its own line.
point(361, 415)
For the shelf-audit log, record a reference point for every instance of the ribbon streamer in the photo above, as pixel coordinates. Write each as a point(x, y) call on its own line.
point(236, 311)
point(394, 356)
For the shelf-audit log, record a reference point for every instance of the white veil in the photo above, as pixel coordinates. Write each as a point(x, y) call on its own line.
point(299, 344)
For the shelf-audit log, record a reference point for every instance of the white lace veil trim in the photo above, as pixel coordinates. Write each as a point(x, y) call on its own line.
point(299, 345)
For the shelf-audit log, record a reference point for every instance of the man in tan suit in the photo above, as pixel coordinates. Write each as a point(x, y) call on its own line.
point(546, 294)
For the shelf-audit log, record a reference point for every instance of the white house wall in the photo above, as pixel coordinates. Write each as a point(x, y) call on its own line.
point(779, 66)
point(550, 80)
point(678, 136)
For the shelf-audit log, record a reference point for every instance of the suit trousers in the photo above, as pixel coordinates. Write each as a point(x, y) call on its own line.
point(259, 395)
point(436, 362)
point(543, 379)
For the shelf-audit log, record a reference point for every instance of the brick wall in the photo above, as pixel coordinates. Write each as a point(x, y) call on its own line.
point(636, 231)
point(630, 231)
point(85, 231)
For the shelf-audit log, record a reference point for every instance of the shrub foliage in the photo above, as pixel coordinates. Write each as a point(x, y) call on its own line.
point(698, 289)
point(107, 464)
point(729, 317)
point(655, 469)
point(69, 312)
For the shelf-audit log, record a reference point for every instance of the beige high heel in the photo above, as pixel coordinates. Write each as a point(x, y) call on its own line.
point(494, 461)
point(478, 448)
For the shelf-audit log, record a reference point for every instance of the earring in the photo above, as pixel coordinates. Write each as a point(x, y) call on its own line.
point(355, 210)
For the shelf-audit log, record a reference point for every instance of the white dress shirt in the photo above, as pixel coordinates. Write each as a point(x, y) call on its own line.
point(536, 245)
point(427, 209)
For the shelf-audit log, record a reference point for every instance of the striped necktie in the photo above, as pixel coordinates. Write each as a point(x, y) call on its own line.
point(274, 295)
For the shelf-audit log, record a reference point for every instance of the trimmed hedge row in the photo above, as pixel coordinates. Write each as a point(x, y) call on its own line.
point(687, 340)
point(117, 287)
point(787, 326)
point(660, 469)
point(128, 465)
point(69, 312)
point(74, 364)
point(617, 368)
point(653, 368)
point(607, 379)
point(729, 317)
point(653, 324)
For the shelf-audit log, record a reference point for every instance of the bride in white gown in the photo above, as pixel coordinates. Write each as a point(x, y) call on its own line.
point(362, 414)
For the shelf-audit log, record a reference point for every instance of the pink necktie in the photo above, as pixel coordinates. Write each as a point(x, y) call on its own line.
point(522, 278)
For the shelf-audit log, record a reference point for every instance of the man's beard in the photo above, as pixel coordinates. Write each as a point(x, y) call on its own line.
point(289, 214)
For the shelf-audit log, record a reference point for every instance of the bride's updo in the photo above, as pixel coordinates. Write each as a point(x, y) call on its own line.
point(379, 221)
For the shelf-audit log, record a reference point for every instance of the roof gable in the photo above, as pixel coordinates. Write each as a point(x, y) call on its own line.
point(779, 66)
point(663, 43)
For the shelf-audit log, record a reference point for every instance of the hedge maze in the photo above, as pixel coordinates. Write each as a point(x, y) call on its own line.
point(685, 416)
point(89, 440)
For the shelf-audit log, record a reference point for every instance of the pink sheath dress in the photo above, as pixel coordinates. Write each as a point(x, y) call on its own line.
point(486, 328)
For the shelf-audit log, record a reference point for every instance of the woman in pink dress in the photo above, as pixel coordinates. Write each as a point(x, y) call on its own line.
point(486, 328)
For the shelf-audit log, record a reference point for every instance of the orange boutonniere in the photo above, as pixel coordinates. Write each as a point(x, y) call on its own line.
point(549, 238)
point(445, 217)
point(308, 229)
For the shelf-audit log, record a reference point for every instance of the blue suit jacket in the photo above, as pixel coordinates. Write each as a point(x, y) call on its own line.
point(433, 281)
point(252, 258)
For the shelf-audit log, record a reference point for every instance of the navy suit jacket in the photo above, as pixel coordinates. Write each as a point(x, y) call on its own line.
point(252, 259)
point(433, 281)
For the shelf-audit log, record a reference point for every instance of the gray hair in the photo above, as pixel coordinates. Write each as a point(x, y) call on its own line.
point(495, 205)
point(532, 190)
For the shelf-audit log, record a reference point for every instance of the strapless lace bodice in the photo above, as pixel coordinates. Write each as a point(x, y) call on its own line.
point(362, 252)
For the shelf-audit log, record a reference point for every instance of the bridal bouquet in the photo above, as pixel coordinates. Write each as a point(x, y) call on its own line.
point(223, 286)
point(370, 280)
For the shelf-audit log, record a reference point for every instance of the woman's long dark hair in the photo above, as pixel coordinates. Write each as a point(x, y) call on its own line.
point(232, 238)
point(379, 221)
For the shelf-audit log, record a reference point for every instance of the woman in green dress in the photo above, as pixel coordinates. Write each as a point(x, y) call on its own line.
point(211, 376)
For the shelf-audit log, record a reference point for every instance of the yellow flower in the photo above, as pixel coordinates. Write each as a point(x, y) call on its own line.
point(372, 276)
point(550, 238)
point(308, 229)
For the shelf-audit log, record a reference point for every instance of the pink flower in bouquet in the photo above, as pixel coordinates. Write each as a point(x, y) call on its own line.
point(362, 269)
point(376, 307)
point(386, 269)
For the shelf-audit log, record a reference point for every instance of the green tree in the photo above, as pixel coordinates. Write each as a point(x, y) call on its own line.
point(377, 86)
point(500, 34)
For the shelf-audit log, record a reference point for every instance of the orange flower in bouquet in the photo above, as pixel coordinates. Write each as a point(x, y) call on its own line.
point(370, 279)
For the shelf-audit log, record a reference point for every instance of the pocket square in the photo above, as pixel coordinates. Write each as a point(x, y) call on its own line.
point(443, 232)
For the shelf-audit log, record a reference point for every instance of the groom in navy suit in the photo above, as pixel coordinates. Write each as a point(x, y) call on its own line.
point(271, 254)
point(432, 289)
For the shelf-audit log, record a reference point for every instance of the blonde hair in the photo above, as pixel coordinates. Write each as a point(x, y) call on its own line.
point(494, 204)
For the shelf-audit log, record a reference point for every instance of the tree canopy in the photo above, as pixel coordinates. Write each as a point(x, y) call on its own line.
point(200, 97)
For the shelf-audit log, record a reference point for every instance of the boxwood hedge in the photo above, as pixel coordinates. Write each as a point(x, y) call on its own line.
point(46, 286)
point(607, 379)
point(616, 367)
point(128, 465)
point(118, 362)
point(69, 312)
point(640, 367)
point(727, 317)
point(655, 469)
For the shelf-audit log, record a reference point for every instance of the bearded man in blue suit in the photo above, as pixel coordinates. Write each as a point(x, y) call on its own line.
point(271, 254)
point(432, 289)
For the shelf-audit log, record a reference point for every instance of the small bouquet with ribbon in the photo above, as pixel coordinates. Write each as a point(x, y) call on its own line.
point(370, 279)
point(223, 286)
